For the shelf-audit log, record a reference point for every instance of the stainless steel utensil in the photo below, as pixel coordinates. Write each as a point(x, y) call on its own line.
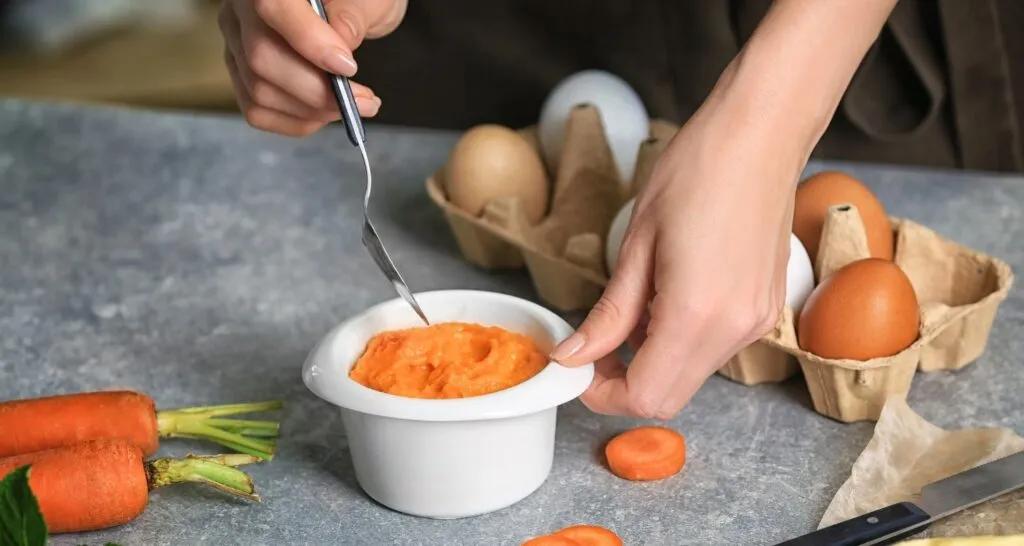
point(938, 500)
point(354, 127)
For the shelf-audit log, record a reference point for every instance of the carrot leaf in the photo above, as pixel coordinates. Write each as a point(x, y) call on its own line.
point(209, 423)
point(21, 522)
point(217, 471)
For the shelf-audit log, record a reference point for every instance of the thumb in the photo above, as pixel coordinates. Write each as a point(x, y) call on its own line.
point(357, 20)
point(614, 316)
point(350, 19)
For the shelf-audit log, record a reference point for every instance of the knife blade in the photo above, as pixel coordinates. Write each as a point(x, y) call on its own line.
point(938, 500)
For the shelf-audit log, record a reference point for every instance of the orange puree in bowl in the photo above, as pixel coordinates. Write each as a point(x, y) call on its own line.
point(447, 360)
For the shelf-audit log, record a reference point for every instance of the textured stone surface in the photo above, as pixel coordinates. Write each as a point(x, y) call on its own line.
point(199, 260)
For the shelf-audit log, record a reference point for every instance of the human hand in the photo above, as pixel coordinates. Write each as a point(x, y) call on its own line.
point(277, 51)
point(702, 267)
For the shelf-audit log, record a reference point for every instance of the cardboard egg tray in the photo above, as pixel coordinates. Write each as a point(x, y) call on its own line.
point(959, 290)
point(564, 252)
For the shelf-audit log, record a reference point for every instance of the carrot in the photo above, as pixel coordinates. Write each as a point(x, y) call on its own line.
point(55, 421)
point(590, 535)
point(550, 540)
point(104, 483)
point(646, 453)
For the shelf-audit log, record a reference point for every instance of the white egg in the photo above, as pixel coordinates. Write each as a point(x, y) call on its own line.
point(799, 275)
point(615, 234)
point(622, 113)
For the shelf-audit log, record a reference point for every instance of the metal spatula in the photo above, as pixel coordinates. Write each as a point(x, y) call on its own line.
point(354, 127)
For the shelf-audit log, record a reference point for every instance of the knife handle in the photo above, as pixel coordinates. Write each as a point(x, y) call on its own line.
point(868, 527)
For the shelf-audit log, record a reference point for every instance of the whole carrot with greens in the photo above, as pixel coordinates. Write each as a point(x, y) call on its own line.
point(105, 483)
point(42, 423)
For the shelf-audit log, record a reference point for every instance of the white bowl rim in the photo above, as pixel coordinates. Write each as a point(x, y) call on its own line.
point(553, 386)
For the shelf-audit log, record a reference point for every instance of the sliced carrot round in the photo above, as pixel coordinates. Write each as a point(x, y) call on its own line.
point(590, 535)
point(550, 540)
point(646, 453)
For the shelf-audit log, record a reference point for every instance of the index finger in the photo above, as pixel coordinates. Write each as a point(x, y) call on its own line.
point(308, 34)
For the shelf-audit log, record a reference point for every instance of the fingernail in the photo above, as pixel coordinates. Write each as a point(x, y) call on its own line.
point(340, 63)
point(569, 347)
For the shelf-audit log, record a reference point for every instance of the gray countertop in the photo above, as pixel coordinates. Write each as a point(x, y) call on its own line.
point(199, 260)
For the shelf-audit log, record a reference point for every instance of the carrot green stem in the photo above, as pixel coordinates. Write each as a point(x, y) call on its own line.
point(262, 450)
point(226, 459)
point(205, 423)
point(268, 429)
point(202, 432)
point(231, 409)
point(214, 470)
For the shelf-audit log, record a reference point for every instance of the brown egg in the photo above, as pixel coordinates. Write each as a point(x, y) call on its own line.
point(491, 161)
point(866, 309)
point(817, 193)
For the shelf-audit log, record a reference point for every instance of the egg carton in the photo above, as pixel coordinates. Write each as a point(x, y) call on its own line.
point(959, 289)
point(564, 251)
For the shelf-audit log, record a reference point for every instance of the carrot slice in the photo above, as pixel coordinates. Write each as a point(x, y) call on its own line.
point(590, 535)
point(550, 540)
point(646, 453)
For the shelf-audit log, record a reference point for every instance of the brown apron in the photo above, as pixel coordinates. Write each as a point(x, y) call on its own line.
point(943, 86)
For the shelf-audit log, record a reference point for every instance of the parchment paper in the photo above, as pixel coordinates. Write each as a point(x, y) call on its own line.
point(907, 453)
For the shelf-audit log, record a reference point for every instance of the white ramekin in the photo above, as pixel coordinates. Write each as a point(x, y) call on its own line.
point(456, 457)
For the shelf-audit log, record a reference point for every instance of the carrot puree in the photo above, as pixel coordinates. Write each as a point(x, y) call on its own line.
point(447, 360)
